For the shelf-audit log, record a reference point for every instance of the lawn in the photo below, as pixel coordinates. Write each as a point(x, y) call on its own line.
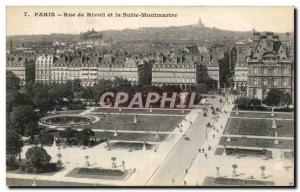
point(244, 152)
point(261, 143)
point(222, 181)
point(263, 115)
point(147, 111)
point(144, 123)
point(147, 137)
point(260, 127)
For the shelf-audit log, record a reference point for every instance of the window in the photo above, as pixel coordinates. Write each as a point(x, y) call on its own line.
point(265, 71)
point(274, 82)
point(254, 92)
point(275, 71)
point(255, 70)
point(270, 71)
point(284, 71)
point(255, 81)
point(265, 82)
point(269, 82)
point(284, 82)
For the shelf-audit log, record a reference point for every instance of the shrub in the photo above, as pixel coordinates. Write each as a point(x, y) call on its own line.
point(11, 163)
point(37, 159)
point(76, 106)
point(45, 139)
point(255, 102)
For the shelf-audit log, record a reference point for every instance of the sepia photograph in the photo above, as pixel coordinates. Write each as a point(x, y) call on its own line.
point(150, 96)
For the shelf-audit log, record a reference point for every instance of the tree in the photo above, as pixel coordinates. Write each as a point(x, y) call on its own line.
point(14, 144)
point(30, 70)
point(255, 102)
point(201, 88)
point(88, 93)
point(242, 102)
point(77, 88)
point(68, 134)
point(273, 97)
point(45, 138)
point(15, 98)
point(84, 135)
point(12, 81)
point(120, 82)
point(37, 159)
point(20, 117)
point(31, 129)
point(286, 99)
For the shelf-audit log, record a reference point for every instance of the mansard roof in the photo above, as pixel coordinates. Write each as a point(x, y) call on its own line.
point(269, 47)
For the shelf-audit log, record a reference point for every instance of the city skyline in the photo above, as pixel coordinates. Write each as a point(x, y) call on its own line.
point(241, 19)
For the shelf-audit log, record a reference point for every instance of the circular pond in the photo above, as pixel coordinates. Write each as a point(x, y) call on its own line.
point(67, 120)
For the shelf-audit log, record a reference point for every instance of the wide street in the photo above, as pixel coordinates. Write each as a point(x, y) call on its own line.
point(173, 168)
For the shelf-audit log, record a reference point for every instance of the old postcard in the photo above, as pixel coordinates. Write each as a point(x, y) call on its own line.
point(150, 96)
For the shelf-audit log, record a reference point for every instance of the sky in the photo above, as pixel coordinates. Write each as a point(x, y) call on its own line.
point(276, 19)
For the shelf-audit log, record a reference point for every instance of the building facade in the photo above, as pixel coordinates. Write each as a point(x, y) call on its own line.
point(269, 66)
point(22, 66)
point(16, 65)
point(175, 69)
point(240, 73)
point(208, 68)
point(43, 68)
point(91, 68)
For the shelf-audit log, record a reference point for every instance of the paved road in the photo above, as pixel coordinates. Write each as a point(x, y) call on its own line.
point(174, 166)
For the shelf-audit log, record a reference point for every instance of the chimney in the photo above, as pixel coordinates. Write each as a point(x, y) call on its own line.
point(256, 37)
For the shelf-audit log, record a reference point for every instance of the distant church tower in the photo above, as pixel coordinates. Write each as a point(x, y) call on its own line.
point(200, 24)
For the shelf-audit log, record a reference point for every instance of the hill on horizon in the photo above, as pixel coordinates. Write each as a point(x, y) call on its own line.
point(172, 34)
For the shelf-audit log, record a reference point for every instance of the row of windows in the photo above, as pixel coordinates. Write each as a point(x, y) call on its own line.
point(270, 71)
point(177, 80)
point(187, 75)
point(42, 62)
point(173, 66)
point(271, 82)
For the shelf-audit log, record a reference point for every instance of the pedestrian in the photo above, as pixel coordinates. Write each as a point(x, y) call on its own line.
point(209, 147)
point(205, 155)
point(213, 135)
point(186, 171)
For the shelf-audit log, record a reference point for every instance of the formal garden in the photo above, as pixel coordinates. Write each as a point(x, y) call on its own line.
point(259, 127)
point(257, 142)
point(135, 122)
point(59, 105)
